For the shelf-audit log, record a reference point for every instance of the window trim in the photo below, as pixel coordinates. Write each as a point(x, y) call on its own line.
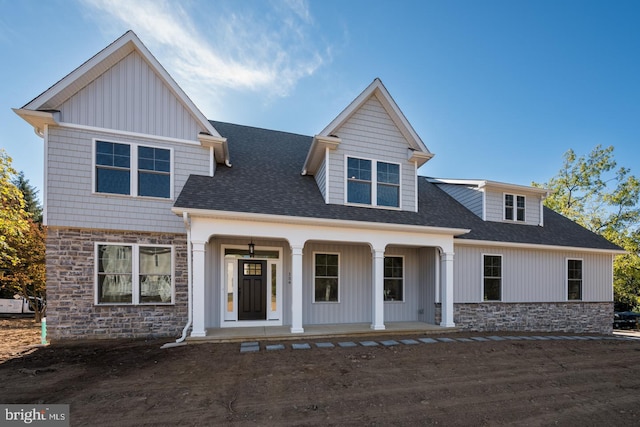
point(133, 169)
point(566, 278)
point(313, 284)
point(483, 277)
point(135, 274)
point(404, 288)
point(374, 183)
point(515, 208)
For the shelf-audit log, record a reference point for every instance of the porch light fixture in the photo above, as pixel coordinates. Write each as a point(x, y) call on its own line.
point(252, 249)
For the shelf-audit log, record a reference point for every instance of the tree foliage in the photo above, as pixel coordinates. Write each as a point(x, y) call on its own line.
point(593, 191)
point(30, 195)
point(22, 240)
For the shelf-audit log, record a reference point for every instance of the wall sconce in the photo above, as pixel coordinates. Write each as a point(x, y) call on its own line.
point(252, 249)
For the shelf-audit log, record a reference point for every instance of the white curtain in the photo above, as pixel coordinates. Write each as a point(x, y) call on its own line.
point(116, 270)
point(155, 274)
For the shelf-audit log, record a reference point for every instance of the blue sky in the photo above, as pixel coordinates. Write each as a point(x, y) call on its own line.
point(496, 89)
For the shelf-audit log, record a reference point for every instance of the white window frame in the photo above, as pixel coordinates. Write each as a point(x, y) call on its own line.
point(133, 169)
point(404, 288)
point(374, 183)
point(313, 283)
point(482, 277)
point(135, 273)
point(515, 207)
point(566, 278)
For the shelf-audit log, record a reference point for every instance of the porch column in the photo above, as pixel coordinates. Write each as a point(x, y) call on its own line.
point(378, 290)
point(296, 290)
point(198, 252)
point(446, 295)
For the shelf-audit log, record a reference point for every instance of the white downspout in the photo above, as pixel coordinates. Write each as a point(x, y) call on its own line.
point(180, 341)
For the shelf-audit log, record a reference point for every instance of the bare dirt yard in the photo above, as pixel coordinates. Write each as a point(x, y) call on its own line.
point(524, 382)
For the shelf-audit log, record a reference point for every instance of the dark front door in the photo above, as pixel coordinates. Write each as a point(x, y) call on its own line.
point(252, 290)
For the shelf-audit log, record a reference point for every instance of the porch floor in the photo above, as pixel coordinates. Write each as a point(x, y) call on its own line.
point(270, 333)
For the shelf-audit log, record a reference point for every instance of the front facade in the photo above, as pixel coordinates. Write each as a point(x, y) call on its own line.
point(163, 223)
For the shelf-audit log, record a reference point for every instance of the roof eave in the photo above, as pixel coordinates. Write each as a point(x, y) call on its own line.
point(473, 242)
point(38, 119)
point(319, 221)
point(315, 155)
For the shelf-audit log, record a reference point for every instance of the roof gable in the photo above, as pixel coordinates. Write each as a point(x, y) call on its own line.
point(54, 97)
point(378, 90)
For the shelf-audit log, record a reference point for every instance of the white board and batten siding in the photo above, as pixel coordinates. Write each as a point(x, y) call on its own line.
point(371, 134)
point(495, 207)
point(131, 97)
point(530, 275)
point(71, 201)
point(468, 196)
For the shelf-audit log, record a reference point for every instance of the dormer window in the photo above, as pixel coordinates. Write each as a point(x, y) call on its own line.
point(364, 187)
point(514, 207)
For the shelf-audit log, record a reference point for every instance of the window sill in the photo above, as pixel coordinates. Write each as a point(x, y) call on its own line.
point(394, 302)
point(126, 196)
point(326, 302)
point(362, 205)
point(125, 304)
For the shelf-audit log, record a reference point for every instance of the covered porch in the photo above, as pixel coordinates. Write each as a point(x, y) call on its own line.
point(269, 333)
point(290, 250)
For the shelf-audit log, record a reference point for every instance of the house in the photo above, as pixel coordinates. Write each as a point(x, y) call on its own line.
point(161, 222)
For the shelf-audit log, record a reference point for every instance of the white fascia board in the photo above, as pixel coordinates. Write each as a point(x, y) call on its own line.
point(317, 152)
point(38, 119)
point(320, 221)
point(219, 145)
point(494, 185)
point(470, 242)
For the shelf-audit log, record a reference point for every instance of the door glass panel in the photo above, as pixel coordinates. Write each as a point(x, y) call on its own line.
point(252, 269)
point(230, 275)
point(274, 306)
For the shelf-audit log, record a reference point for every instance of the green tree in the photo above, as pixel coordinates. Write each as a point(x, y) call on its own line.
point(30, 195)
point(593, 191)
point(22, 242)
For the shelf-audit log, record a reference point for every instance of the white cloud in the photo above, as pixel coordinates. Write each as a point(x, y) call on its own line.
point(210, 49)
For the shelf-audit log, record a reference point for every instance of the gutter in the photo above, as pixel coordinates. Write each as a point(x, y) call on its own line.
point(180, 341)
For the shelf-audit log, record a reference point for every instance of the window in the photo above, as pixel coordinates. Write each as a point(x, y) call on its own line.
point(154, 172)
point(113, 162)
point(381, 188)
point(393, 279)
point(388, 184)
point(134, 274)
point(118, 171)
point(492, 277)
point(326, 277)
point(574, 279)
point(514, 207)
point(359, 181)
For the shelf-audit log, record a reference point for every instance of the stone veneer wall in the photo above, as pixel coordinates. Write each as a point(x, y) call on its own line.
point(575, 317)
point(71, 312)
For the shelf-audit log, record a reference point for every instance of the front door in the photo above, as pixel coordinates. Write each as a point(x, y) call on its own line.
point(252, 289)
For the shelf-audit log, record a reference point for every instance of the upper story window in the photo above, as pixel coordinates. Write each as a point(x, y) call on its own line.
point(365, 187)
point(514, 207)
point(132, 169)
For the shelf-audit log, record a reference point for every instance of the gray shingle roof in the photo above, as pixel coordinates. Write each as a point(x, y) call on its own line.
point(266, 178)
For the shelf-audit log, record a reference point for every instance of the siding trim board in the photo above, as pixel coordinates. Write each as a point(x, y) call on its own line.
point(125, 133)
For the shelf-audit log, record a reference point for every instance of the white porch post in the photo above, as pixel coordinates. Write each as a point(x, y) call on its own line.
point(378, 290)
point(446, 280)
point(198, 252)
point(296, 289)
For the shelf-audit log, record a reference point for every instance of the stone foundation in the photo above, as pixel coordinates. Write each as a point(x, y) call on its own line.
point(71, 312)
point(574, 317)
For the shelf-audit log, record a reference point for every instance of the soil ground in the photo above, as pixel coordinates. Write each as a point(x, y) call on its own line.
point(135, 383)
